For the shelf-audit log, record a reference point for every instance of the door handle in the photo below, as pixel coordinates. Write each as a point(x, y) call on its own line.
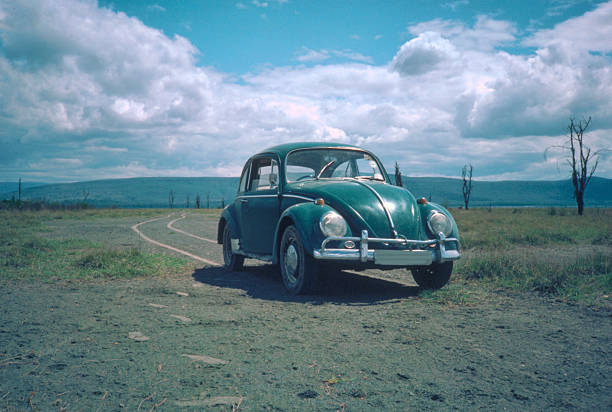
point(244, 201)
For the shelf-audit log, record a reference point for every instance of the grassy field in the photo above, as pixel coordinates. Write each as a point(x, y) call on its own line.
point(30, 249)
point(549, 251)
point(95, 318)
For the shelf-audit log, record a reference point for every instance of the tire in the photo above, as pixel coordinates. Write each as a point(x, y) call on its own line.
point(298, 269)
point(434, 276)
point(231, 261)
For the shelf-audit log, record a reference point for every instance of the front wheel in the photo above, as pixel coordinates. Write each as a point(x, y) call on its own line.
point(298, 269)
point(434, 276)
point(231, 261)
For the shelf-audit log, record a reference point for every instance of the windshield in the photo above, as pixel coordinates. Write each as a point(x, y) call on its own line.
point(331, 163)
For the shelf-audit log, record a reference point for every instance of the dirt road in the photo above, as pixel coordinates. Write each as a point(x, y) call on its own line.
point(211, 340)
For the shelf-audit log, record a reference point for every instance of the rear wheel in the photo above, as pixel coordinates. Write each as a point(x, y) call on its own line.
point(231, 261)
point(298, 269)
point(434, 276)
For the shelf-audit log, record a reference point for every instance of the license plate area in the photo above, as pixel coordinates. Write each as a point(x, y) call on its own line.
point(403, 257)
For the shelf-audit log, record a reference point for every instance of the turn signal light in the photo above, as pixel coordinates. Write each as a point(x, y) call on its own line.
point(320, 201)
point(422, 201)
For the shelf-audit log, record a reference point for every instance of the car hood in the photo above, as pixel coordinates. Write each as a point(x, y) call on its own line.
point(359, 203)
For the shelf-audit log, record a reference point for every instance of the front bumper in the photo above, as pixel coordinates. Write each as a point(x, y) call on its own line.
point(416, 252)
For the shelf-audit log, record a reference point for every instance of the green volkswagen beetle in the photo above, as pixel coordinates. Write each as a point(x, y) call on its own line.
point(303, 205)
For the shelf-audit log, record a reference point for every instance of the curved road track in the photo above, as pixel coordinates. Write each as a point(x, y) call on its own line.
point(136, 229)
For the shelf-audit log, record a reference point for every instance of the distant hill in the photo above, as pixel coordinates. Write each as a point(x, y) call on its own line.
point(13, 187)
point(142, 192)
point(511, 192)
point(154, 191)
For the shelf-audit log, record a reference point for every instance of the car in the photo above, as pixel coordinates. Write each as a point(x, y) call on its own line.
point(310, 206)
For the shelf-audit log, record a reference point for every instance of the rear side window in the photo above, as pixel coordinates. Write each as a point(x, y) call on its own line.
point(244, 178)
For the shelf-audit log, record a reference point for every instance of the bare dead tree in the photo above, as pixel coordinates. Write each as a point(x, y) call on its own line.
point(171, 199)
point(19, 199)
point(398, 176)
point(207, 200)
point(579, 157)
point(187, 202)
point(466, 175)
point(197, 201)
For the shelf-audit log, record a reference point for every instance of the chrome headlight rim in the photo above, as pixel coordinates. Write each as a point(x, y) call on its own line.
point(447, 230)
point(332, 224)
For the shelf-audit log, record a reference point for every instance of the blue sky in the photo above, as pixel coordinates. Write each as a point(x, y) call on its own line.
point(107, 89)
point(242, 36)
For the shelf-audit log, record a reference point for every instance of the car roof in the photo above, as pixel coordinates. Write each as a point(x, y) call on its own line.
point(283, 149)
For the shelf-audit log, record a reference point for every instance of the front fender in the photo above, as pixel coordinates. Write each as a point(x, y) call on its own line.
point(305, 217)
point(426, 210)
point(229, 218)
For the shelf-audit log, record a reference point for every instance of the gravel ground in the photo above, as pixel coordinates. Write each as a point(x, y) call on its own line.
point(211, 340)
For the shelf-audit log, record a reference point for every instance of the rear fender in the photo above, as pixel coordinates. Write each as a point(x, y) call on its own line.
point(228, 218)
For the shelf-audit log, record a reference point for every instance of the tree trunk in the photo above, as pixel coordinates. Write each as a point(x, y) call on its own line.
point(580, 202)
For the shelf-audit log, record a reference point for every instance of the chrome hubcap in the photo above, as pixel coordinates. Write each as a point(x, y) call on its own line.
point(291, 263)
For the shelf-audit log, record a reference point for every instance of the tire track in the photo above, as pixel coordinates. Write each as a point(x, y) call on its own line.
point(169, 226)
point(172, 248)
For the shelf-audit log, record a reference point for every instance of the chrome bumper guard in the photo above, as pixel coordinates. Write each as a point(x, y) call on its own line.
point(416, 256)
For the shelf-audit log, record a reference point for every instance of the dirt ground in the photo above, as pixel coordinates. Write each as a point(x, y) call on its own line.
point(212, 340)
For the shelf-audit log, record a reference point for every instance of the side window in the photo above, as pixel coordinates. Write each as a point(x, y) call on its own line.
point(264, 174)
point(344, 169)
point(244, 178)
point(368, 167)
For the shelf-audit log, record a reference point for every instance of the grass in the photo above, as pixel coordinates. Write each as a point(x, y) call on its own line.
point(555, 253)
point(503, 228)
point(26, 253)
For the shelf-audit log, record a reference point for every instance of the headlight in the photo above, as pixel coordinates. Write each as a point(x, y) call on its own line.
point(332, 224)
point(439, 222)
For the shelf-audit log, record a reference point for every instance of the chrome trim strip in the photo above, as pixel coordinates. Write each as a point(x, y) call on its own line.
point(384, 206)
point(308, 199)
point(252, 196)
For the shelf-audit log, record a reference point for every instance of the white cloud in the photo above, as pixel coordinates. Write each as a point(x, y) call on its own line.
point(486, 35)
point(262, 4)
point(453, 5)
point(85, 84)
point(313, 55)
point(423, 54)
point(308, 55)
point(589, 32)
point(156, 7)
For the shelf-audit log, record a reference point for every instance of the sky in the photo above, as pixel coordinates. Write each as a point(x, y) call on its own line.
point(115, 88)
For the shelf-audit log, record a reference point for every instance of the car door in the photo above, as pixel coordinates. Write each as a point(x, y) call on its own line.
point(260, 206)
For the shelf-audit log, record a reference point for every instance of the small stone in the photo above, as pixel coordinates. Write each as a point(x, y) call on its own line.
point(206, 359)
point(182, 318)
point(157, 305)
point(138, 336)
